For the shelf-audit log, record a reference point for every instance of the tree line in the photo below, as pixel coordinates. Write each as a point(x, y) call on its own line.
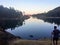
point(52, 13)
point(9, 12)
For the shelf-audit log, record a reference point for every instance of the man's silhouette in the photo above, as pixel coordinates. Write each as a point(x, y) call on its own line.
point(55, 34)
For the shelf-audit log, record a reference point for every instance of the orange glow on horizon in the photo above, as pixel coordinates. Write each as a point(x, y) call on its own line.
point(34, 11)
point(31, 12)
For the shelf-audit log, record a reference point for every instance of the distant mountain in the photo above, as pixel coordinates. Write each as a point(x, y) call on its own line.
point(54, 13)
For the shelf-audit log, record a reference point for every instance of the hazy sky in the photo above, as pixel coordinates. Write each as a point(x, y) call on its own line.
point(31, 6)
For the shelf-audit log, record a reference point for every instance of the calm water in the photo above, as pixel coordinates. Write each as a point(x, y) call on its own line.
point(33, 28)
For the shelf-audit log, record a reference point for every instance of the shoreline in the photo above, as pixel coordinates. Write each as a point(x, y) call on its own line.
point(32, 42)
point(13, 40)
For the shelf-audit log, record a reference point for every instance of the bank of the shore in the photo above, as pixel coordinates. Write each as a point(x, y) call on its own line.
point(31, 42)
point(6, 37)
point(13, 40)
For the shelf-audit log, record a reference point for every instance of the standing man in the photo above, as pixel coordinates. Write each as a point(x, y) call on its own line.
point(55, 34)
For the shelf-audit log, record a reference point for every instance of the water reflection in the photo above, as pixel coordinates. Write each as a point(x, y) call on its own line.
point(6, 24)
point(53, 20)
point(33, 29)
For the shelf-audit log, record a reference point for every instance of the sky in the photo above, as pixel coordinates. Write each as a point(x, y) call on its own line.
point(31, 6)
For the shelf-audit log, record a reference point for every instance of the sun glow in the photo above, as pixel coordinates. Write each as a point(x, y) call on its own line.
point(34, 11)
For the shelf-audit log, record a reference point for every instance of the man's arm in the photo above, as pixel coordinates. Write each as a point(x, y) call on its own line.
point(59, 31)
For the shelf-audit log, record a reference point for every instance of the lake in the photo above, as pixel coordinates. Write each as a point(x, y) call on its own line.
point(34, 29)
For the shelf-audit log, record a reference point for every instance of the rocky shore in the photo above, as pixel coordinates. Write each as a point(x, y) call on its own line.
point(6, 37)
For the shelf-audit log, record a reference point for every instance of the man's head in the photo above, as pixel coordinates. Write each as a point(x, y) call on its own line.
point(55, 27)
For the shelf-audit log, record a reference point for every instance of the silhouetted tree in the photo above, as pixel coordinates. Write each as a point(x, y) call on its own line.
point(9, 12)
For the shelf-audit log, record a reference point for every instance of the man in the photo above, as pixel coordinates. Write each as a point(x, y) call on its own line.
point(55, 34)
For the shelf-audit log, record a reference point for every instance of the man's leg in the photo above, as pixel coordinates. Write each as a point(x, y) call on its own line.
point(53, 42)
point(57, 42)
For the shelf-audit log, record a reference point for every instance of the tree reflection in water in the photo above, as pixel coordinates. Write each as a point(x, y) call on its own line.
point(52, 20)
